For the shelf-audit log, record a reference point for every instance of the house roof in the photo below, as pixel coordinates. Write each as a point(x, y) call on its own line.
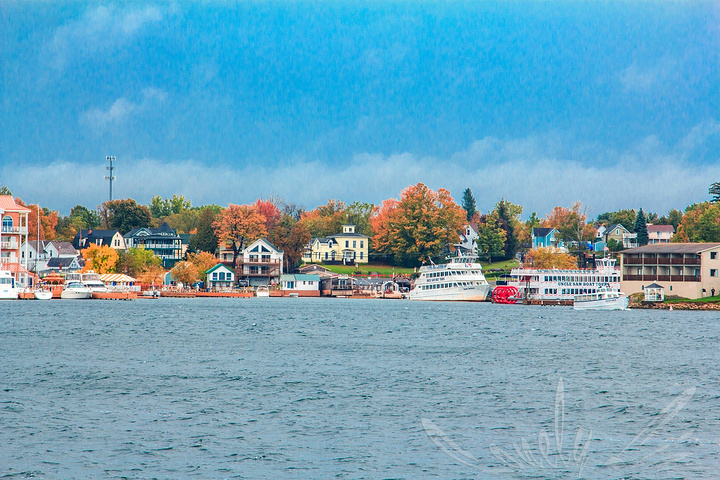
point(612, 227)
point(357, 235)
point(38, 245)
point(64, 248)
point(541, 231)
point(219, 266)
point(661, 228)
point(64, 262)
point(7, 203)
point(300, 277)
point(672, 248)
point(654, 285)
point(261, 240)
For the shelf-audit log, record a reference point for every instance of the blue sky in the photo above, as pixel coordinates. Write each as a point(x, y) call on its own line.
point(614, 104)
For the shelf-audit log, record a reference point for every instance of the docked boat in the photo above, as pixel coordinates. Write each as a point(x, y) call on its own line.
point(8, 289)
point(554, 285)
point(262, 291)
point(94, 282)
point(461, 279)
point(605, 298)
point(75, 290)
point(43, 294)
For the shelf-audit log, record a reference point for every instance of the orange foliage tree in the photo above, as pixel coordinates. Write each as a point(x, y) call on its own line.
point(48, 222)
point(700, 223)
point(418, 226)
point(550, 257)
point(237, 225)
point(571, 223)
point(185, 272)
point(100, 259)
point(290, 237)
point(270, 211)
point(203, 261)
point(325, 220)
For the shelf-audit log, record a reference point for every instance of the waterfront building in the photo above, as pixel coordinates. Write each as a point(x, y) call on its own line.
point(347, 248)
point(260, 263)
point(546, 237)
point(687, 270)
point(220, 277)
point(14, 234)
point(84, 238)
point(660, 233)
point(301, 283)
point(163, 241)
point(34, 252)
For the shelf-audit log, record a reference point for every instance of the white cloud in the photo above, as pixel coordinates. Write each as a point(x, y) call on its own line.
point(122, 109)
point(99, 29)
point(644, 79)
point(531, 172)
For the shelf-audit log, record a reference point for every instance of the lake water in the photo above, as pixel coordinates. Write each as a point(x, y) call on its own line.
point(323, 388)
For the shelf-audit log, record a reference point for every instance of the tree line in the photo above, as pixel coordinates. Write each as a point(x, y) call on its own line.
point(420, 225)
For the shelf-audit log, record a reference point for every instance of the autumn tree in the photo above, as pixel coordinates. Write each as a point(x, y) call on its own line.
point(203, 262)
point(205, 239)
point(136, 261)
point(419, 226)
point(550, 257)
point(640, 228)
point(325, 220)
point(491, 236)
point(571, 224)
point(290, 236)
point(468, 204)
point(185, 272)
point(48, 222)
point(270, 211)
point(124, 215)
point(100, 259)
point(237, 225)
point(700, 223)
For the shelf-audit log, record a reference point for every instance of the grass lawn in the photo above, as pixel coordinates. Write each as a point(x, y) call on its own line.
point(367, 269)
point(714, 299)
point(491, 270)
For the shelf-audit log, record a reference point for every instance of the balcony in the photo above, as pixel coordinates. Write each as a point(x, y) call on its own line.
point(20, 230)
point(9, 246)
point(632, 261)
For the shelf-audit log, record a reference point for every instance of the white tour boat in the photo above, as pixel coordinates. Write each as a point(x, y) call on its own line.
point(563, 285)
point(462, 280)
point(75, 290)
point(8, 289)
point(605, 298)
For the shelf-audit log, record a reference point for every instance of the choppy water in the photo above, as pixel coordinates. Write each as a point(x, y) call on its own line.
point(319, 388)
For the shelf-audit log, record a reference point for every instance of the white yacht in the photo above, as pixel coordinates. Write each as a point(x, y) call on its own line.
point(262, 291)
point(75, 290)
point(8, 289)
point(604, 298)
point(93, 280)
point(461, 280)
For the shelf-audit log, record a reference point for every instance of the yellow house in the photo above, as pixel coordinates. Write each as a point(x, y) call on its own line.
point(346, 247)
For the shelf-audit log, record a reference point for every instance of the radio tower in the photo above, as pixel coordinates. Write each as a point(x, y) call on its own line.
point(111, 168)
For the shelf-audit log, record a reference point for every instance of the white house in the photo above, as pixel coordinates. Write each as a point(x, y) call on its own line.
point(37, 257)
point(660, 233)
point(467, 243)
point(260, 264)
point(301, 283)
point(220, 277)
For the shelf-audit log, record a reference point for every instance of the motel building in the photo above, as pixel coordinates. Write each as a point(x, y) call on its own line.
point(689, 270)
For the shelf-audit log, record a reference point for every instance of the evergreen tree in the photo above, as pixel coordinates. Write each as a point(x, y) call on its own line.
point(205, 239)
point(641, 228)
point(714, 190)
point(468, 203)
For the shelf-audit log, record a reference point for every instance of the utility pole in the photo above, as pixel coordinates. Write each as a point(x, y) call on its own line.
point(111, 168)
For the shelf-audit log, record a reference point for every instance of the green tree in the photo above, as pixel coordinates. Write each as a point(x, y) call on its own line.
point(5, 190)
point(358, 214)
point(491, 236)
point(508, 215)
point(468, 204)
point(205, 239)
point(135, 261)
point(641, 228)
point(674, 217)
point(614, 246)
point(626, 218)
point(714, 191)
point(700, 223)
point(124, 215)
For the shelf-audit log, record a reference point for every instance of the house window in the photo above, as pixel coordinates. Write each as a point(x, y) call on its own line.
point(361, 255)
point(713, 272)
point(222, 276)
point(215, 276)
point(713, 255)
point(361, 244)
point(326, 255)
point(354, 244)
point(7, 224)
point(347, 243)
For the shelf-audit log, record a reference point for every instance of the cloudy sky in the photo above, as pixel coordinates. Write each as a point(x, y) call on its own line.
point(614, 104)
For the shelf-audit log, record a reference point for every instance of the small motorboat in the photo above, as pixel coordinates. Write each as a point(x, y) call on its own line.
point(43, 294)
point(262, 291)
point(76, 290)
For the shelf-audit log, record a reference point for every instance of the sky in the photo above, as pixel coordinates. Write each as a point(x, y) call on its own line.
point(613, 104)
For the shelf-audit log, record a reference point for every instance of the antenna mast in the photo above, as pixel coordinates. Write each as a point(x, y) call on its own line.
point(111, 168)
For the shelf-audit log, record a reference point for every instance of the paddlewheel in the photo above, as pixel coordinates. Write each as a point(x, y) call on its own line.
point(504, 294)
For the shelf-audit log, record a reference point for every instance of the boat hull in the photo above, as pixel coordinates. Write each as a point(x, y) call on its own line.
point(76, 294)
point(478, 293)
point(617, 303)
point(43, 294)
